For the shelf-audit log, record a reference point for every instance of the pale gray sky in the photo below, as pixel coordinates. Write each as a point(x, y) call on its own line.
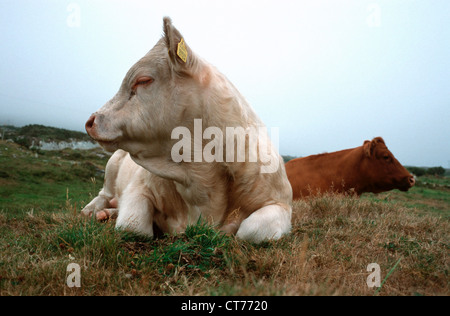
point(329, 74)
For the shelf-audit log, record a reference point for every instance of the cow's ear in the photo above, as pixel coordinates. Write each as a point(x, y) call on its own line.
point(367, 147)
point(379, 140)
point(181, 57)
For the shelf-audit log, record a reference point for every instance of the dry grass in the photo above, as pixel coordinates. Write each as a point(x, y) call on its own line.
point(333, 240)
point(346, 234)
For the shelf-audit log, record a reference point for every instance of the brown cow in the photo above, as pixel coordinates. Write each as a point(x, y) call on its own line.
point(368, 168)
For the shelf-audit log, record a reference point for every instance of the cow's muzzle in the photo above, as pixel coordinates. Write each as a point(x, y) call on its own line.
point(89, 126)
point(407, 183)
point(412, 181)
point(95, 128)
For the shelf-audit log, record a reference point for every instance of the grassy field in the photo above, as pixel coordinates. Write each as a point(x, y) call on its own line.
point(333, 240)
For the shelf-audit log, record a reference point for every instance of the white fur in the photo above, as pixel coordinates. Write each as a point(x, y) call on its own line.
point(136, 212)
point(268, 223)
point(150, 186)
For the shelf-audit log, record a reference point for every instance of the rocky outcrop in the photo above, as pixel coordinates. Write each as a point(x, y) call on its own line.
point(59, 145)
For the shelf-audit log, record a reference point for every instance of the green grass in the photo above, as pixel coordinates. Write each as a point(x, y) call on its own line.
point(430, 195)
point(434, 181)
point(47, 182)
point(198, 250)
point(36, 249)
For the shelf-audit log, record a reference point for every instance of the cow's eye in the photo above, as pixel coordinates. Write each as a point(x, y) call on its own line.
point(142, 81)
point(386, 157)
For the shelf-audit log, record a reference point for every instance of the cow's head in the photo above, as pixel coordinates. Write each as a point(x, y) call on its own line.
point(384, 171)
point(156, 95)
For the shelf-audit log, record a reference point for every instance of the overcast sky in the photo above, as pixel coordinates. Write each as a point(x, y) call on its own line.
point(329, 74)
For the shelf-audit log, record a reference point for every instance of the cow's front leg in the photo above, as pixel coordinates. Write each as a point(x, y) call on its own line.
point(106, 198)
point(268, 223)
point(136, 212)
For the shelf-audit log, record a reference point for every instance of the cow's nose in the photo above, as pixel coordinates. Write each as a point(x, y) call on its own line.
point(412, 181)
point(90, 124)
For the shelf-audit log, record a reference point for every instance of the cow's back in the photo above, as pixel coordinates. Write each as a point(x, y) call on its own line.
point(304, 178)
point(321, 173)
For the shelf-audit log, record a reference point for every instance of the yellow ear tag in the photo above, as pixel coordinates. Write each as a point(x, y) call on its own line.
point(182, 50)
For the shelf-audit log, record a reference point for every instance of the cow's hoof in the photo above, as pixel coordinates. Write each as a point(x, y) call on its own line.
point(102, 216)
point(107, 214)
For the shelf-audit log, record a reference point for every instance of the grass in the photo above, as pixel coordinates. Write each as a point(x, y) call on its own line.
point(430, 195)
point(112, 261)
point(333, 240)
point(29, 180)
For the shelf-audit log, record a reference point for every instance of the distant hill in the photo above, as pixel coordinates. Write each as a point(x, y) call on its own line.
point(46, 137)
point(286, 158)
point(53, 138)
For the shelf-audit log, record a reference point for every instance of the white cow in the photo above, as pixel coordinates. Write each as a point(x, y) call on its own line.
point(157, 179)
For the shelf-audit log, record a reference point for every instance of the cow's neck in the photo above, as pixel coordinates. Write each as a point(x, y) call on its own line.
point(346, 173)
point(220, 97)
point(360, 184)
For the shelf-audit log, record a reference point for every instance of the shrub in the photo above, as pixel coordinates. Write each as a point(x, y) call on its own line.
point(436, 171)
point(433, 171)
point(418, 171)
